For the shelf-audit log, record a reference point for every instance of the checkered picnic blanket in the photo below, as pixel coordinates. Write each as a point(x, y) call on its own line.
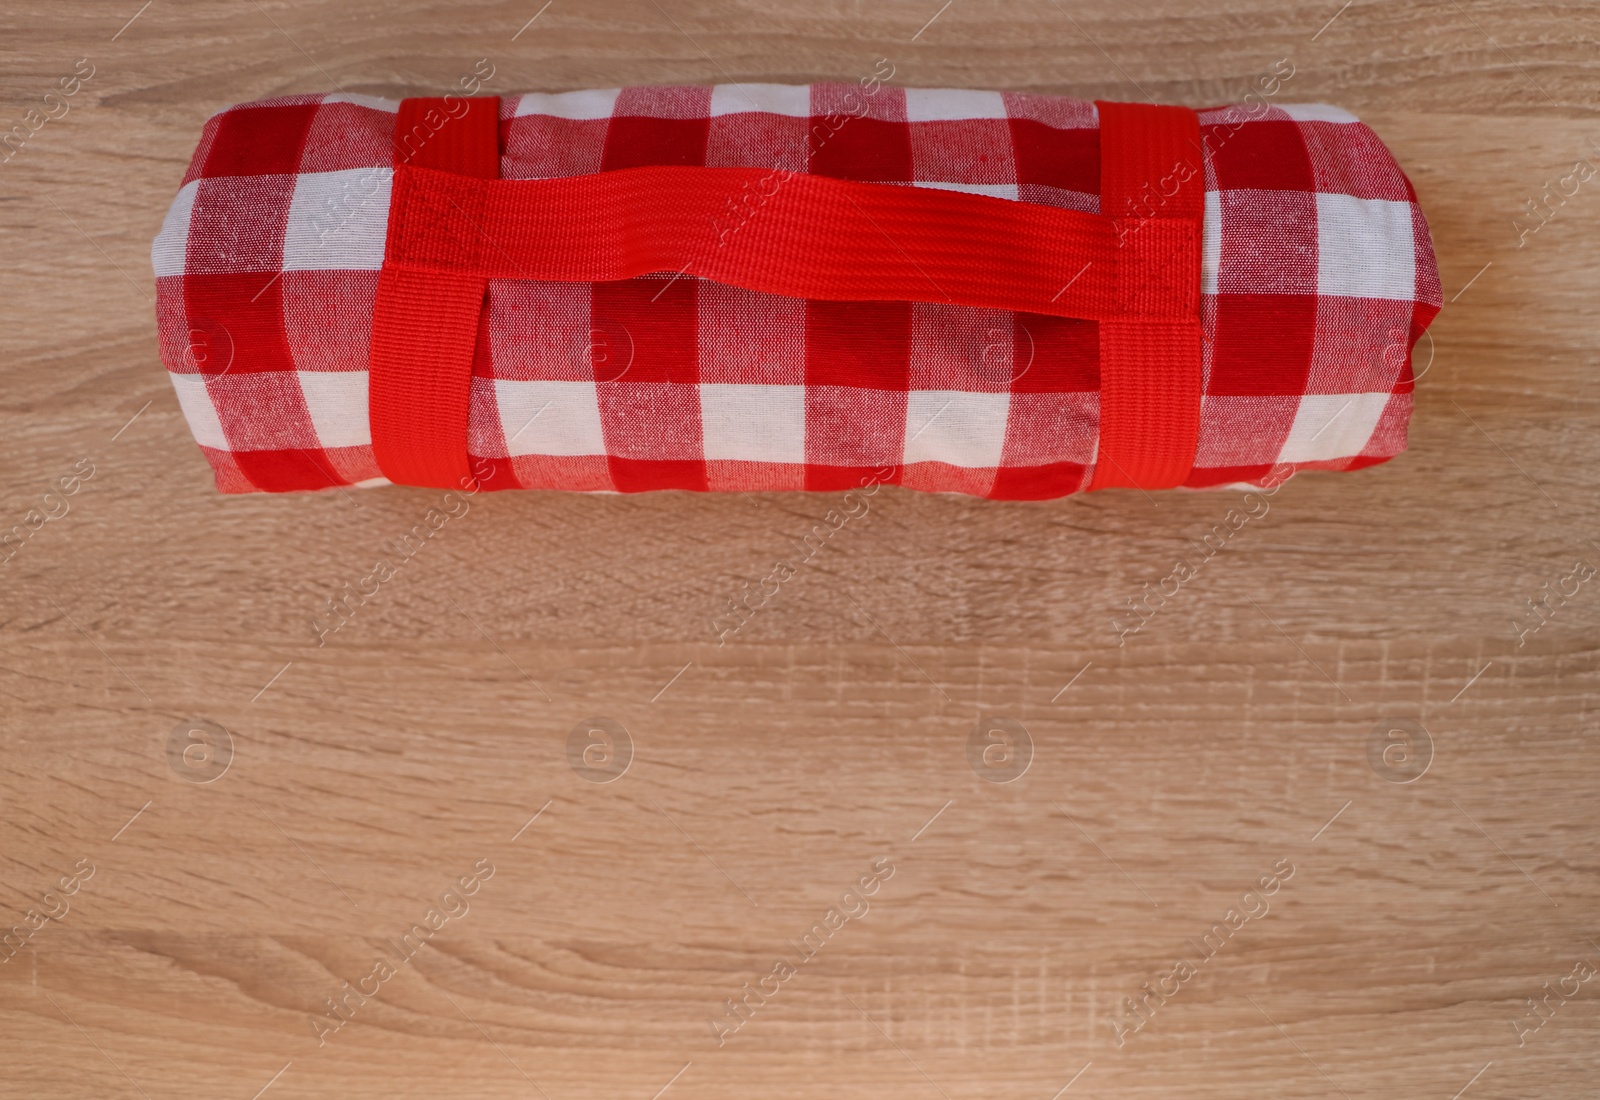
point(1318, 276)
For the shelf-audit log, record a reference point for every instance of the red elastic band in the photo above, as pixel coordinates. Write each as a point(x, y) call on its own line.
point(1152, 187)
point(425, 323)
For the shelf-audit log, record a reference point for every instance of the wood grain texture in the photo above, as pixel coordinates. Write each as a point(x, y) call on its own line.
point(827, 741)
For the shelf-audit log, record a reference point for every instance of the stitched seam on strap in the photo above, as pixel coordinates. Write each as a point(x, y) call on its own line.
point(425, 323)
point(1150, 371)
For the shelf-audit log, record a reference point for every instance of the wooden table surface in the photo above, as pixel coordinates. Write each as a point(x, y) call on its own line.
point(404, 884)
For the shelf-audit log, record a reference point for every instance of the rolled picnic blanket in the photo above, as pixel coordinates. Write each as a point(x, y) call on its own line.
point(762, 287)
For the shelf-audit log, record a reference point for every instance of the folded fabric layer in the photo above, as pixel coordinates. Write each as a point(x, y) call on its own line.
point(734, 372)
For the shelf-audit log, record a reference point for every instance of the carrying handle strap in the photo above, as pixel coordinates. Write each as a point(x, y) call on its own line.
point(453, 225)
point(793, 234)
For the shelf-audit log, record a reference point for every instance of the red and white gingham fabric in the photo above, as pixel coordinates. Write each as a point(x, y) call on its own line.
point(1318, 276)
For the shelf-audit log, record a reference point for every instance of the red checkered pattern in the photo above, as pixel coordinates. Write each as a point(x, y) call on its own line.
point(1318, 277)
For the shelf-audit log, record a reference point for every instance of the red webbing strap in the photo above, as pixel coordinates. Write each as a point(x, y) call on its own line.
point(453, 225)
point(792, 234)
point(1152, 188)
point(425, 322)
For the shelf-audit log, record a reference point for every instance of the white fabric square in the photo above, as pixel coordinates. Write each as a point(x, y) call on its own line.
point(598, 103)
point(338, 220)
point(1366, 248)
point(793, 100)
point(1317, 112)
point(374, 102)
point(550, 418)
point(952, 104)
point(1332, 426)
point(198, 410)
point(753, 423)
point(1211, 242)
point(956, 426)
point(172, 243)
point(994, 190)
point(337, 401)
